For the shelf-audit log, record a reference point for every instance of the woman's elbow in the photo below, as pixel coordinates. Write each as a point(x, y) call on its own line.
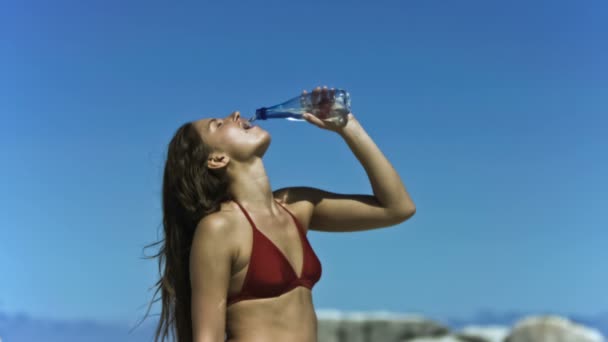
point(407, 213)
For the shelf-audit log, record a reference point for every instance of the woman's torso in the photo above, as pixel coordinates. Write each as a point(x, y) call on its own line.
point(289, 316)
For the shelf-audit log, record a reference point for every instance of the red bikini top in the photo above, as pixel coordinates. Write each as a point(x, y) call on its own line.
point(269, 273)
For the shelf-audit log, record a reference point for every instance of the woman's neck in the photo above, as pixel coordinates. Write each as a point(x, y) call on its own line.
point(250, 187)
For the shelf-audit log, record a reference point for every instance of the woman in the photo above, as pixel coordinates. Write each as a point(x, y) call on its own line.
point(238, 263)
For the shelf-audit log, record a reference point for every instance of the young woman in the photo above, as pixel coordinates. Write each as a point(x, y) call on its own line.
point(237, 263)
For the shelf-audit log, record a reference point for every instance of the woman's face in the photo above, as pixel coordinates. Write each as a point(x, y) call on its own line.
point(230, 136)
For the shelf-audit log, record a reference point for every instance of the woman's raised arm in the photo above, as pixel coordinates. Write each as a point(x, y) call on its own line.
point(390, 203)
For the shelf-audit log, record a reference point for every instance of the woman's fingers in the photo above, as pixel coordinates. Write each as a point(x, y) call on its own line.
point(316, 94)
point(314, 120)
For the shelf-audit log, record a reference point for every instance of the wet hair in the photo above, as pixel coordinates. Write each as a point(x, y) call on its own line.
point(190, 191)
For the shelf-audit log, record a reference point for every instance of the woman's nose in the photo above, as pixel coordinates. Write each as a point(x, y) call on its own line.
point(236, 115)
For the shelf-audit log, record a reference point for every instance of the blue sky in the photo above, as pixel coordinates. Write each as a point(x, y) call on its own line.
point(494, 115)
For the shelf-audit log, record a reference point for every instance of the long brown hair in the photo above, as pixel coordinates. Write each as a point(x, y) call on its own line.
point(190, 192)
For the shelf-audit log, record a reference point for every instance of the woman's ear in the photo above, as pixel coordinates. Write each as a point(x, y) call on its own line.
point(217, 161)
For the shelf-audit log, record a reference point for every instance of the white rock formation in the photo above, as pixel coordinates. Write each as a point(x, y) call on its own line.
point(554, 329)
point(491, 333)
point(336, 326)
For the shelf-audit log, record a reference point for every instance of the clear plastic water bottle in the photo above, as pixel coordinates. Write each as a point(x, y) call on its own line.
point(332, 107)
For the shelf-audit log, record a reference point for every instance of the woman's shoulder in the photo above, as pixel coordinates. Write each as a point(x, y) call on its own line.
point(215, 231)
point(229, 215)
point(222, 219)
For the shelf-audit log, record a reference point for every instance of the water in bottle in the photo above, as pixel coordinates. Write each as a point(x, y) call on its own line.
point(330, 105)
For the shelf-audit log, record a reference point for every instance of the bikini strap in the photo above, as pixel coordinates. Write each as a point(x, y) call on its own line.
point(246, 214)
point(295, 219)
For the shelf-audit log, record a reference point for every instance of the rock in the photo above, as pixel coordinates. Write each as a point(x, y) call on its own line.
point(373, 328)
point(552, 328)
point(404, 329)
point(446, 338)
point(489, 333)
point(328, 330)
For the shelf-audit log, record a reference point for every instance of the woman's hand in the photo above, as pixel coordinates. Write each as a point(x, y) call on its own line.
point(323, 100)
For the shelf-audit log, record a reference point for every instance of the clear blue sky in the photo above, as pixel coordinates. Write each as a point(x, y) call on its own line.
point(493, 113)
